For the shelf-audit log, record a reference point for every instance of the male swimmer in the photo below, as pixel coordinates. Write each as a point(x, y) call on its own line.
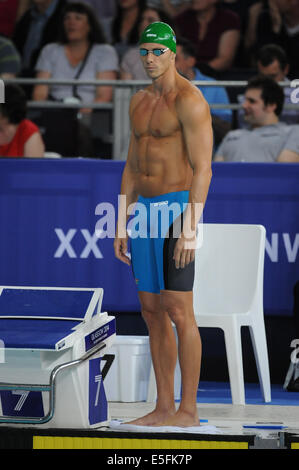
point(168, 165)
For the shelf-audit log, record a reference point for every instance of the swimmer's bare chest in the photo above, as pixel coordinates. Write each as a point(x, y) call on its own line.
point(161, 157)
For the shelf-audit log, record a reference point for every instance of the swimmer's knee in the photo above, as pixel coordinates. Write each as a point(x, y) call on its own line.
point(178, 310)
point(148, 315)
point(150, 310)
point(155, 320)
point(177, 315)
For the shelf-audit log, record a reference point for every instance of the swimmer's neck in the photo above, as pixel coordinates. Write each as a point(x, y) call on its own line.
point(165, 83)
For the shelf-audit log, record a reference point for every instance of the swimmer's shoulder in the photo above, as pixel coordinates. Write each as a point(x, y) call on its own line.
point(187, 91)
point(139, 96)
point(189, 96)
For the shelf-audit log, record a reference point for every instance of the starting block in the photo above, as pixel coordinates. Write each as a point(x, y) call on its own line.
point(52, 342)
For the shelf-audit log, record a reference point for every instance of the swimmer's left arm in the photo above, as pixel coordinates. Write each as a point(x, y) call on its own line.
point(195, 117)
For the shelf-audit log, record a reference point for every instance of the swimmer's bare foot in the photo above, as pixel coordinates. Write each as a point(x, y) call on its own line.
point(153, 418)
point(180, 419)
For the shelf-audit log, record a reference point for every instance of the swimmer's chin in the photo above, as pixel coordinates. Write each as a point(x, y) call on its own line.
point(150, 72)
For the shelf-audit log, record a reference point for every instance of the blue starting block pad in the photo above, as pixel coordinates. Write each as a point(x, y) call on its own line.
point(52, 341)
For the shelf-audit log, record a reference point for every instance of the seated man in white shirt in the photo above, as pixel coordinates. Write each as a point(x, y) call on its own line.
point(267, 139)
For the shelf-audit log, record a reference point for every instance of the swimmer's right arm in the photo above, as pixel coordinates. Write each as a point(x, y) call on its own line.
point(128, 196)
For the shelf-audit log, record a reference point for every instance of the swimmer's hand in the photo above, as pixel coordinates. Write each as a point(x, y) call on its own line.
point(184, 251)
point(121, 249)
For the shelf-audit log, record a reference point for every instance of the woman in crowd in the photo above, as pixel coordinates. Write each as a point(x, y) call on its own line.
point(19, 137)
point(80, 52)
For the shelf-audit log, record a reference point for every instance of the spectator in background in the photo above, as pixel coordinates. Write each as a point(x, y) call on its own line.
point(131, 67)
point(105, 11)
point(277, 22)
point(19, 137)
point(245, 10)
point(10, 61)
point(10, 12)
point(81, 48)
point(272, 62)
point(267, 140)
point(36, 28)
point(102, 8)
point(185, 64)
point(241, 8)
point(171, 7)
point(125, 26)
point(214, 31)
point(81, 53)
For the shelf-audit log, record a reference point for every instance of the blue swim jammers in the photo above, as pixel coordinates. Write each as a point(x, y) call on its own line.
point(154, 230)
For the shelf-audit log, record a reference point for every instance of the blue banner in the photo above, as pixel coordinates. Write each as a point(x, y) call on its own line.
point(52, 216)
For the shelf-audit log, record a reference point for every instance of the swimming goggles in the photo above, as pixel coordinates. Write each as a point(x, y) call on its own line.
point(157, 52)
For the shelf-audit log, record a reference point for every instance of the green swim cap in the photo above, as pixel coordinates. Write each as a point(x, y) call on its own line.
point(160, 33)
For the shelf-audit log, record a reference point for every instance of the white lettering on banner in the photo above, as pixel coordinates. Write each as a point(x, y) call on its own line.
point(291, 249)
point(91, 245)
point(295, 344)
point(272, 249)
point(295, 93)
point(65, 243)
point(272, 246)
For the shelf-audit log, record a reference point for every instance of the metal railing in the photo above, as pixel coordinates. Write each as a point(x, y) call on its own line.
point(50, 388)
point(119, 106)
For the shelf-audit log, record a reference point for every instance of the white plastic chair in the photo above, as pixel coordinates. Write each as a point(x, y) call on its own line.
point(228, 294)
